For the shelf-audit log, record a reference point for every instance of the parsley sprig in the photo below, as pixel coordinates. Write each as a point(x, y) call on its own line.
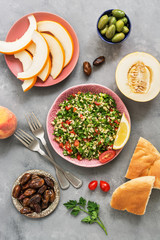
point(92, 211)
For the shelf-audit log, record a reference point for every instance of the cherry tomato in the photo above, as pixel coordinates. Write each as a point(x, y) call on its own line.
point(79, 157)
point(68, 122)
point(107, 156)
point(81, 116)
point(67, 107)
point(116, 122)
point(73, 94)
point(72, 131)
point(74, 109)
point(97, 103)
point(69, 151)
point(61, 145)
point(104, 186)
point(92, 185)
point(67, 145)
point(96, 130)
point(76, 143)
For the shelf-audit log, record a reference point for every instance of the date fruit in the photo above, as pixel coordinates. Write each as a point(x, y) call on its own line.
point(42, 189)
point(16, 191)
point(52, 196)
point(99, 61)
point(25, 178)
point(44, 204)
point(29, 192)
point(35, 199)
point(37, 208)
point(49, 182)
point(26, 210)
point(87, 68)
point(25, 202)
point(36, 182)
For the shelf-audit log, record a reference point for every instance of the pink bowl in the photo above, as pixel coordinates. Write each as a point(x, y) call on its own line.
point(19, 28)
point(94, 88)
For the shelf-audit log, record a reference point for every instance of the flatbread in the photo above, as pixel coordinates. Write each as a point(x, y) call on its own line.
point(133, 195)
point(145, 162)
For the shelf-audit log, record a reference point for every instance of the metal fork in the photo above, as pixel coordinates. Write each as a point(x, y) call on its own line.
point(38, 130)
point(34, 145)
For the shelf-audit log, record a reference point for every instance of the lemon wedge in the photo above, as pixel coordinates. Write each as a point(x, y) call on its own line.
point(123, 133)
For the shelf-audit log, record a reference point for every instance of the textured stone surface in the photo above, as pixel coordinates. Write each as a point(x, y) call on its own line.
point(16, 159)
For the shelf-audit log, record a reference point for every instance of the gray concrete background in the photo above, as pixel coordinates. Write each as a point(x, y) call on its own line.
point(15, 159)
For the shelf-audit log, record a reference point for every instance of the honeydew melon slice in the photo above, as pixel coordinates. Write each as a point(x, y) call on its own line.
point(43, 75)
point(26, 60)
point(16, 46)
point(39, 59)
point(57, 53)
point(138, 76)
point(58, 31)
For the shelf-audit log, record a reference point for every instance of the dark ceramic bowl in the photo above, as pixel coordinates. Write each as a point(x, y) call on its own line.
point(103, 37)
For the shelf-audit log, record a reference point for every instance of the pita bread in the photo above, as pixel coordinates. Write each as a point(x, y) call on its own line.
point(133, 195)
point(145, 162)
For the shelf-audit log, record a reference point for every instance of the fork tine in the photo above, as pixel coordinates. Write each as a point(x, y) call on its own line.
point(23, 137)
point(38, 122)
point(29, 123)
point(19, 138)
point(32, 122)
point(26, 135)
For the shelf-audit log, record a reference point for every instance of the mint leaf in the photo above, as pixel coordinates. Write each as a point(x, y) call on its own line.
point(92, 206)
point(86, 219)
point(82, 202)
point(70, 204)
point(75, 211)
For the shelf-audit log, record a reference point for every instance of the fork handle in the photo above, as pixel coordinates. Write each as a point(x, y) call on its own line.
point(77, 183)
point(46, 147)
point(64, 184)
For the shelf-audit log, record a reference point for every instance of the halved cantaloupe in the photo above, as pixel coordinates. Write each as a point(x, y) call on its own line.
point(57, 53)
point(39, 59)
point(61, 34)
point(138, 76)
point(44, 74)
point(26, 60)
point(21, 43)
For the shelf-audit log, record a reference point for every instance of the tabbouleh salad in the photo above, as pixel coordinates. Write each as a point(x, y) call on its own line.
point(86, 125)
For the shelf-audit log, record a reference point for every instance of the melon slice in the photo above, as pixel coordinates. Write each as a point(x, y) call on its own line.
point(44, 74)
point(26, 60)
point(138, 76)
point(39, 59)
point(21, 43)
point(133, 195)
point(57, 53)
point(58, 31)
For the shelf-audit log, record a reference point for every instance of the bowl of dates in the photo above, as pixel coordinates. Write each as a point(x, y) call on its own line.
point(35, 194)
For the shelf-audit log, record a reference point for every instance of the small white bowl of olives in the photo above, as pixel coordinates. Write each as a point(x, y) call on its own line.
point(113, 26)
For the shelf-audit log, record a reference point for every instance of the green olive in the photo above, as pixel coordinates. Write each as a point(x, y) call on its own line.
point(125, 20)
point(111, 31)
point(125, 30)
point(118, 13)
point(112, 20)
point(118, 37)
point(103, 31)
point(103, 21)
point(119, 25)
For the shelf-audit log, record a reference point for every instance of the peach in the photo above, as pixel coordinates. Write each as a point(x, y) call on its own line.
point(8, 123)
